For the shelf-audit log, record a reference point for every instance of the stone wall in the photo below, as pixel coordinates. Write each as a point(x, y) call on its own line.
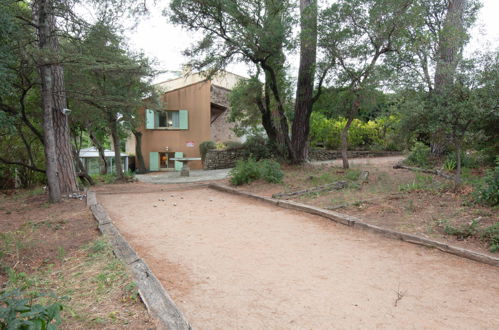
point(217, 159)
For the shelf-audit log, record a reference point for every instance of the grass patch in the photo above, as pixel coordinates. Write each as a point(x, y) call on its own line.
point(93, 275)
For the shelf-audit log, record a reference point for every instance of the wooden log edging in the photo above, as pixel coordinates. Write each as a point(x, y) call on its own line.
point(358, 223)
point(158, 302)
point(424, 170)
point(327, 187)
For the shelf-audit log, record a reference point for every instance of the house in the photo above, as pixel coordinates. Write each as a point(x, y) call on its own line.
point(90, 159)
point(195, 110)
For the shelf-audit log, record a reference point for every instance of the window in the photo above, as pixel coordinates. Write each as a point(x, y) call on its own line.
point(167, 119)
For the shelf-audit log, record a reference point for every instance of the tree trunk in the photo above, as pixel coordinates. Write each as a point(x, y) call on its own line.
point(102, 156)
point(450, 45)
point(82, 171)
point(141, 165)
point(457, 177)
point(278, 115)
point(117, 149)
point(60, 171)
point(305, 85)
point(344, 142)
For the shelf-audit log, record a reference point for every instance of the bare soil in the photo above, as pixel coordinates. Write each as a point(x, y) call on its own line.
point(424, 211)
point(49, 248)
point(234, 263)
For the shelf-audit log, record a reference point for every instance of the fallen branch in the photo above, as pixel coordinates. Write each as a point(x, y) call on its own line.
point(423, 170)
point(327, 187)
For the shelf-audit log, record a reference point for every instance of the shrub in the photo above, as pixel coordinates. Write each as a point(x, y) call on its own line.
point(251, 170)
point(491, 236)
point(379, 134)
point(19, 312)
point(220, 145)
point(419, 155)
point(204, 147)
point(257, 147)
point(467, 160)
point(232, 145)
point(487, 192)
point(245, 172)
point(270, 171)
point(464, 231)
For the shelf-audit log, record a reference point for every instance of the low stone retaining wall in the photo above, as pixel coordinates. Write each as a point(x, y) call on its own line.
point(323, 154)
point(218, 159)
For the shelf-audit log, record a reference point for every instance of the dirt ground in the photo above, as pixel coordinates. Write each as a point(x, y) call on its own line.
point(57, 248)
point(425, 207)
point(235, 263)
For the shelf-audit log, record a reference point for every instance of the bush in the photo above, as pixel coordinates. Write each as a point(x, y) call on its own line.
point(379, 134)
point(204, 147)
point(464, 231)
point(270, 171)
point(419, 155)
point(487, 192)
point(232, 145)
point(491, 236)
point(19, 312)
point(251, 170)
point(257, 147)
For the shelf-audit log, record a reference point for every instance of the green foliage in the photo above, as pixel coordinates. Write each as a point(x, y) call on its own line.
point(20, 312)
point(487, 191)
point(232, 145)
point(270, 171)
point(204, 147)
point(420, 182)
point(491, 235)
point(463, 231)
point(251, 170)
point(419, 155)
point(245, 172)
point(112, 177)
point(450, 164)
point(380, 133)
point(257, 147)
point(352, 174)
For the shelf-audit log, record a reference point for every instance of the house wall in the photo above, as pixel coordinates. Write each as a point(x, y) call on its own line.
point(221, 128)
point(194, 98)
point(224, 79)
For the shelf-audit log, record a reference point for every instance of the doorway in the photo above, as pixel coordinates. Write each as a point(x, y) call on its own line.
point(165, 162)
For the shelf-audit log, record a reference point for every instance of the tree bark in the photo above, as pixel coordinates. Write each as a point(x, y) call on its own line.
point(344, 142)
point(141, 165)
point(117, 149)
point(305, 85)
point(103, 167)
point(82, 171)
point(60, 169)
point(450, 46)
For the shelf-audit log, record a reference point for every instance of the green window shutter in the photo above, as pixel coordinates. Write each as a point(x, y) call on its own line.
point(184, 119)
point(154, 161)
point(149, 119)
point(178, 165)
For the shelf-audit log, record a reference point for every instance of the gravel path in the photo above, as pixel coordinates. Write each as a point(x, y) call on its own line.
point(234, 263)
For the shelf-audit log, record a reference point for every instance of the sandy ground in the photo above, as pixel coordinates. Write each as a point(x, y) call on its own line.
point(234, 263)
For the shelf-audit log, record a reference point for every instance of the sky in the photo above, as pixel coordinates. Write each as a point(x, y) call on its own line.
point(164, 42)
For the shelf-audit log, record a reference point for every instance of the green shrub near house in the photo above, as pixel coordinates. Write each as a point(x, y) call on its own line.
point(250, 170)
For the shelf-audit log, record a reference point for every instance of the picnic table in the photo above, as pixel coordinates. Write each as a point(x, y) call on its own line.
point(185, 164)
